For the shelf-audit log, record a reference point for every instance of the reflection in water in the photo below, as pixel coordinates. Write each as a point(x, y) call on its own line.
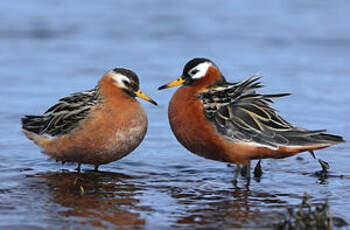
point(154, 198)
point(100, 199)
point(236, 207)
point(107, 199)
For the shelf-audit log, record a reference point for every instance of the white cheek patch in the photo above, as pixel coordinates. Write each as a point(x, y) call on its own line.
point(202, 70)
point(119, 78)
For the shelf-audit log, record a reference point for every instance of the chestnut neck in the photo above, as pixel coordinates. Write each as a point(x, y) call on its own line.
point(213, 75)
point(109, 89)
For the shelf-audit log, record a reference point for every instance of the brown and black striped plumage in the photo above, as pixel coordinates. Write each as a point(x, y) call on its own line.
point(240, 113)
point(96, 126)
point(64, 116)
point(233, 122)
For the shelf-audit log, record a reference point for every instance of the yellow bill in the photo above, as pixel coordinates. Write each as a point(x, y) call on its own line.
point(142, 95)
point(179, 81)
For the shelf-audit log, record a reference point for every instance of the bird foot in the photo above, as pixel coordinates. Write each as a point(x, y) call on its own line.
point(257, 170)
point(96, 168)
point(78, 168)
point(324, 165)
point(245, 171)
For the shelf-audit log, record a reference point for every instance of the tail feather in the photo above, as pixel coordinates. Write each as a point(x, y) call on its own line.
point(316, 137)
point(34, 124)
point(330, 138)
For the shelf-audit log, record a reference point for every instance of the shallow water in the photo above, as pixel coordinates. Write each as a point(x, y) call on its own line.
point(49, 49)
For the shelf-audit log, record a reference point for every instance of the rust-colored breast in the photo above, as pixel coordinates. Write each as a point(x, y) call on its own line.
point(196, 133)
point(112, 130)
point(191, 127)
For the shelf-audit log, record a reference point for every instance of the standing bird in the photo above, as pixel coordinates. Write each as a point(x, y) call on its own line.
point(231, 122)
point(96, 126)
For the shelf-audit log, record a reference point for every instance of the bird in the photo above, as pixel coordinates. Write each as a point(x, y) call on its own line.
point(95, 126)
point(233, 122)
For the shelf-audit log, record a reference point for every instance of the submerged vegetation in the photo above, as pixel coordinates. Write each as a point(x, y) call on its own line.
point(311, 218)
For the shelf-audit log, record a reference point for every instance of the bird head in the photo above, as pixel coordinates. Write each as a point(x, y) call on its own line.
point(128, 81)
point(198, 69)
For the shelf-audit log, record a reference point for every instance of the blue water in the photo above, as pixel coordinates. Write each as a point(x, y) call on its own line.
point(49, 49)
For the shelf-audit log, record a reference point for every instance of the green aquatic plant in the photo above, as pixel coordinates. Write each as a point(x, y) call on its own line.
point(82, 191)
point(311, 218)
point(81, 188)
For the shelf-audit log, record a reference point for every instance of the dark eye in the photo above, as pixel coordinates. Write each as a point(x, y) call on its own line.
point(134, 87)
point(126, 83)
point(193, 72)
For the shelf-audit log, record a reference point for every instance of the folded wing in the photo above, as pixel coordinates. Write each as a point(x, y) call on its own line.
point(64, 116)
point(240, 113)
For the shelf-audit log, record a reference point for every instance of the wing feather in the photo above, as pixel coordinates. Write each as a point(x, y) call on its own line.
point(64, 116)
point(239, 112)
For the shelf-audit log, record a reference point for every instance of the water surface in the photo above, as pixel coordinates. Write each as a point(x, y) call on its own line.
point(49, 49)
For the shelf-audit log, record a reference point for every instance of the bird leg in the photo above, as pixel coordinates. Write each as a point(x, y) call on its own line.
point(245, 171)
point(312, 154)
point(323, 163)
point(248, 175)
point(248, 172)
point(235, 177)
point(79, 167)
point(257, 170)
